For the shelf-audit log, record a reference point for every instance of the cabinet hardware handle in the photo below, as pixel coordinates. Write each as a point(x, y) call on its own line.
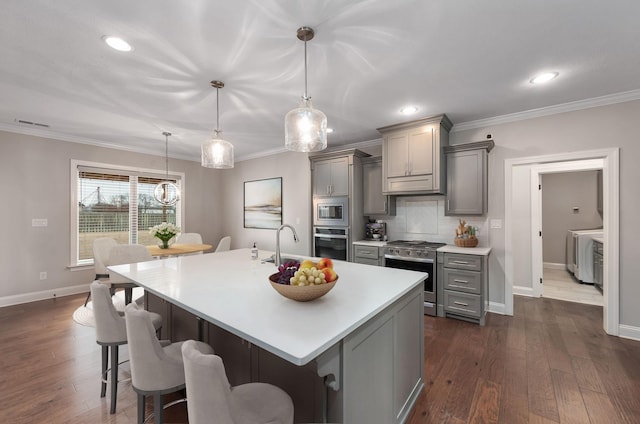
point(460, 262)
point(460, 303)
point(460, 281)
point(448, 205)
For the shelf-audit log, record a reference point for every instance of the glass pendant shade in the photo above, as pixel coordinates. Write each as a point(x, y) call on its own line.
point(217, 153)
point(305, 128)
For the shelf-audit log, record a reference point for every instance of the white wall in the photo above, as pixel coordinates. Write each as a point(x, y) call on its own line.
point(36, 176)
point(589, 129)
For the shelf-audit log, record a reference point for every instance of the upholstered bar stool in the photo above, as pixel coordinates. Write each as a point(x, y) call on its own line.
point(209, 394)
point(110, 334)
point(101, 247)
point(156, 367)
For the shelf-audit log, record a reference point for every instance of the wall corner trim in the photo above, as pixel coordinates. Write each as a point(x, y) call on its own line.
point(629, 332)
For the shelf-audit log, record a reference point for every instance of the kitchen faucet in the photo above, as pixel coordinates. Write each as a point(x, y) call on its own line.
point(295, 238)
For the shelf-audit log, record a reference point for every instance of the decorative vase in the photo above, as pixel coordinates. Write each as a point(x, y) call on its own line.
point(165, 244)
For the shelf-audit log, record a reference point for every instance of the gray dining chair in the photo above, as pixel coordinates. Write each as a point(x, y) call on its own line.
point(209, 394)
point(101, 247)
point(126, 254)
point(224, 244)
point(156, 366)
point(189, 238)
point(110, 334)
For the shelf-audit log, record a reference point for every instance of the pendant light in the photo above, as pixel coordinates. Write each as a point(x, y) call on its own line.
point(166, 192)
point(305, 128)
point(217, 153)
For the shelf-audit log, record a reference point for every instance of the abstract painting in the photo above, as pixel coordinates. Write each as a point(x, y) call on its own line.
point(263, 203)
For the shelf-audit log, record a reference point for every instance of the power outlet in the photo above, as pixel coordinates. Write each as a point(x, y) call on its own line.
point(43, 275)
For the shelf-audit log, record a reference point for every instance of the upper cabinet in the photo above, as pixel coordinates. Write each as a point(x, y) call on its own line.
point(412, 157)
point(374, 201)
point(331, 177)
point(467, 178)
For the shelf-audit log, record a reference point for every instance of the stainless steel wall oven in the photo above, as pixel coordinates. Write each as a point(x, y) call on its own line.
point(331, 242)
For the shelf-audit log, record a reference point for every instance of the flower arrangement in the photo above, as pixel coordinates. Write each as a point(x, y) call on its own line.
point(165, 232)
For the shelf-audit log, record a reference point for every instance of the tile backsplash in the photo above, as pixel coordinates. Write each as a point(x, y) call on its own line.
point(422, 218)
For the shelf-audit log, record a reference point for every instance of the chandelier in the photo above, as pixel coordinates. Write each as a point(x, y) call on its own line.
point(166, 192)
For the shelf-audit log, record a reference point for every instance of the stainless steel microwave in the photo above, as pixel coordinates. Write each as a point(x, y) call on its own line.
point(331, 211)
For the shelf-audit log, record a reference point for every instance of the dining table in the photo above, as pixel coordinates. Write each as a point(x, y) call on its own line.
point(178, 249)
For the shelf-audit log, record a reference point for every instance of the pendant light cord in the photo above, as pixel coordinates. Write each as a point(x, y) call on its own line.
point(166, 153)
point(305, 69)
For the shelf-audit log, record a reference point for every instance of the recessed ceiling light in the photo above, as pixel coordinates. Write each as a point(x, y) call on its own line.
point(117, 43)
point(542, 78)
point(408, 110)
point(329, 130)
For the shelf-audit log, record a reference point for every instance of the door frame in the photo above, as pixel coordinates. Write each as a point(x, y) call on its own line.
point(537, 171)
point(611, 224)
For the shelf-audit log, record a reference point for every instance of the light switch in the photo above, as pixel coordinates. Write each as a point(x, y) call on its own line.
point(39, 222)
point(496, 223)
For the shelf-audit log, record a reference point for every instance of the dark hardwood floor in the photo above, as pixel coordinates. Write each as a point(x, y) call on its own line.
point(549, 363)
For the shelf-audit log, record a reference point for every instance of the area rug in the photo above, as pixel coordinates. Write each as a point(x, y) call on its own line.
point(84, 314)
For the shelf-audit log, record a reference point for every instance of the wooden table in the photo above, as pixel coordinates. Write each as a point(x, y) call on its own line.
point(178, 249)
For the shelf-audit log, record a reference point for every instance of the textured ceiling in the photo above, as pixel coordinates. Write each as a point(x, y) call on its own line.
point(469, 59)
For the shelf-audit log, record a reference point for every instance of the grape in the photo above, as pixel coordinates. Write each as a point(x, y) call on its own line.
point(287, 271)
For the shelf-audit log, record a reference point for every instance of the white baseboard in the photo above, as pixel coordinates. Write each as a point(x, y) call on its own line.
point(496, 308)
point(552, 265)
point(629, 332)
point(523, 291)
point(43, 295)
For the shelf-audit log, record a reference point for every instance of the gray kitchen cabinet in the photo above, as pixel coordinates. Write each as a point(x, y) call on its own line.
point(331, 177)
point(598, 265)
point(467, 179)
point(412, 156)
point(369, 255)
point(374, 201)
point(465, 285)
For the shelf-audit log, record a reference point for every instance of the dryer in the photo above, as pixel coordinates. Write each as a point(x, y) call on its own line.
point(580, 253)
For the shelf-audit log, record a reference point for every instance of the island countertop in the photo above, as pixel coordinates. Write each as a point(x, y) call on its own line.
point(232, 291)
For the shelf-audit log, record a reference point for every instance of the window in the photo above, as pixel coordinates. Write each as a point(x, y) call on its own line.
point(113, 201)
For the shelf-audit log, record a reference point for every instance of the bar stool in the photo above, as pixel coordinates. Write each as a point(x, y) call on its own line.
point(156, 367)
point(110, 334)
point(209, 394)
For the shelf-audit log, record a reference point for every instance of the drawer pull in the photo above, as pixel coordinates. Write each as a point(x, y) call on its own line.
point(460, 281)
point(455, 286)
point(460, 303)
point(460, 262)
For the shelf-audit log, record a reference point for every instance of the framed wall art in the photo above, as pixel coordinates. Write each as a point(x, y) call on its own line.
point(263, 203)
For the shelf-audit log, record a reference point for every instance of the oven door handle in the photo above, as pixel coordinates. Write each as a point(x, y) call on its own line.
point(409, 259)
point(331, 236)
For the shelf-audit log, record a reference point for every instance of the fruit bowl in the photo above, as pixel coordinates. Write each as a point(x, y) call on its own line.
point(301, 293)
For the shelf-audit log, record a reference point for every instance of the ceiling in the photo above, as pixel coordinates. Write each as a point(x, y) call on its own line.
point(469, 59)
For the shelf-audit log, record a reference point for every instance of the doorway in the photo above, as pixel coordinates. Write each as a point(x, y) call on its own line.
point(523, 248)
point(568, 200)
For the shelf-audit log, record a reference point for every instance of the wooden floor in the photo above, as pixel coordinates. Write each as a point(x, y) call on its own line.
point(549, 363)
point(559, 284)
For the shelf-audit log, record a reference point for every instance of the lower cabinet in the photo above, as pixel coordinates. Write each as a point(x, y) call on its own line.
point(369, 255)
point(464, 280)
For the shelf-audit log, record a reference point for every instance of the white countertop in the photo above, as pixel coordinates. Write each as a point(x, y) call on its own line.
point(232, 291)
point(480, 251)
point(376, 243)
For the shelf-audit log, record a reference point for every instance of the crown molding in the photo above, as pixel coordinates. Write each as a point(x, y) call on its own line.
point(610, 99)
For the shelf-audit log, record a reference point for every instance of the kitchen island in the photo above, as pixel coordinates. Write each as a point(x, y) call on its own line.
point(364, 338)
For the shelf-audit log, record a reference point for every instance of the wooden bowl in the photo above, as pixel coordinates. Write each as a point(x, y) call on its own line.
point(301, 293)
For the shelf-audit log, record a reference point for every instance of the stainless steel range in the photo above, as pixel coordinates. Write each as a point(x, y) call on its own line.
point(416, 255)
